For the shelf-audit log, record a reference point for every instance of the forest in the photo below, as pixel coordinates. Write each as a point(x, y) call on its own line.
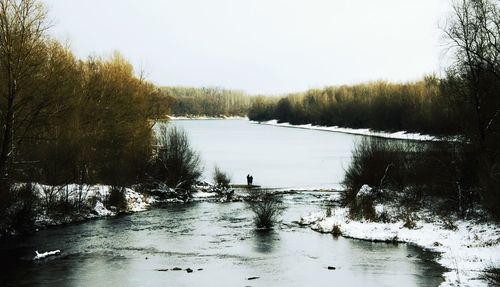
point(66, 120)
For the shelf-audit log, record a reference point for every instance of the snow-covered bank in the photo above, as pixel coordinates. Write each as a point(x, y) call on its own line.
point(90, 197)
point(402, 135)
point(467, 250)
point(207, 118)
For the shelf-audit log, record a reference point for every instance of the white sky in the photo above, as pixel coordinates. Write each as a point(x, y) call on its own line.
point(259, 46)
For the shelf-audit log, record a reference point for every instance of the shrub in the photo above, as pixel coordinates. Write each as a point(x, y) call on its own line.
point(409, 172)
point(116, 198)
point(175, 163)
point(267, 207)
point(328, 211)
point(363, 208)
point(18, 210)
point(336, 230)
point(409, 222)
point(221, 178)
point(492, 275)
point(375, 162)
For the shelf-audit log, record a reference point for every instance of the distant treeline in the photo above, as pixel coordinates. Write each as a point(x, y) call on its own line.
point(416, 107)
point(423, 106)
point(211, 102)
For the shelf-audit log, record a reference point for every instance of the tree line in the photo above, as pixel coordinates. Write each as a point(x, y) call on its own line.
point(210, 102)
point(417, 107)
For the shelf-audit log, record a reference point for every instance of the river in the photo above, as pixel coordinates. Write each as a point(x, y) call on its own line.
point(276, 157)
point(217, 240)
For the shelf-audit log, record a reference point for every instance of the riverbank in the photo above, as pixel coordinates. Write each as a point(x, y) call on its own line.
point(467, 248)
point(91, 198)
point(401, 135)
point(93, 202)
point(207, 118)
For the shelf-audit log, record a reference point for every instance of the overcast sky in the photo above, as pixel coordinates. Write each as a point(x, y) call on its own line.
point(259, 46)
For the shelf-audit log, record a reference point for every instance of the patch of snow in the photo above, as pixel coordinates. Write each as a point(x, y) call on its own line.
point(364, 132)
point(101, 210)
point(201, 194)
point(311, 218)
point(46, 254)
point(467, 251)
point(364, 191)
point(86, 194)
point(195, 117)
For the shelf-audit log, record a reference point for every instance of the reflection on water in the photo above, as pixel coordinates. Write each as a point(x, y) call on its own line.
point(265, 241)
point(218, 238)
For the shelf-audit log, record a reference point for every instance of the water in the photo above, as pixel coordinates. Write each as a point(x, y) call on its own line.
point(218, 238)
point(276, 157)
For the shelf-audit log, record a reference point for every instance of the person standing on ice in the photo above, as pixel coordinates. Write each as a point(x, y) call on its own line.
point(248, 179)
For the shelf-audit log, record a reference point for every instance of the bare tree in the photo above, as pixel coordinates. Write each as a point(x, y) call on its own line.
point(474, 34)
point(23, 24)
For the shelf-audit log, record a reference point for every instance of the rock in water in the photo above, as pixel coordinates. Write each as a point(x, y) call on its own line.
point(189, 270)
point(253, 278)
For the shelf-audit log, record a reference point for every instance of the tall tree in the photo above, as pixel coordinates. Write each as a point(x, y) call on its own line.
point(474, 32)
point(23, 24)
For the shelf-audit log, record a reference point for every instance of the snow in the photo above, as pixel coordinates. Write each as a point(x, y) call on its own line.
point(467, 251)
point(194, 117)
point(202, 194)
point(100, 210)
point(365, 132)
point(87, 194)
point(46, 254)
point(364, 191)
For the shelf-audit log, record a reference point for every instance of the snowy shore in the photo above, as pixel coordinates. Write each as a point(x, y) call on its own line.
point(93, 198)
point(467, 250)
point(207, 118)
point(402, 135)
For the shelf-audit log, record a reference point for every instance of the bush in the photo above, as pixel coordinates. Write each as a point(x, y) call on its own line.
point(375, 163)
point(116, 198)
point(17, 212)
point(410, 172)
point(328, 211)
point(363, 208)
point(221, 178)
point(492, 275)
point(336, 231)
point(267, 207)
point(175, 163)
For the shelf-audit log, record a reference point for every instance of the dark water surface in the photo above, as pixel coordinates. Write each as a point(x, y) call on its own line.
point(220, 239)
